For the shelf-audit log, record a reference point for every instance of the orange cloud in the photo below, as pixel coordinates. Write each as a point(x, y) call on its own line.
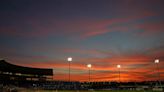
point(132, 69)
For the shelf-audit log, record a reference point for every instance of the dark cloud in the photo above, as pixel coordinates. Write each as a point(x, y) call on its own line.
point(101, 32)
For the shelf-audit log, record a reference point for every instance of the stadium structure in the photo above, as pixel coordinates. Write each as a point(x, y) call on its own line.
point(18, 75)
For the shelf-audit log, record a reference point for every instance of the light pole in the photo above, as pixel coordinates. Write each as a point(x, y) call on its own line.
point(69, 59)
point(89, 72)
point(119, 66)
point(156, 62)
point(158, 74)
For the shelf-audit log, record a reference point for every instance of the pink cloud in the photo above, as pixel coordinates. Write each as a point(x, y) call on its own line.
point(83, 28)
point(86, 52)
point(150, 28)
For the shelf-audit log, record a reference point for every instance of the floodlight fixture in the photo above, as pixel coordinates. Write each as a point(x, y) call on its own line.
point(89, 65)
point(69, 59)
point(118, 66)
point(156, 61)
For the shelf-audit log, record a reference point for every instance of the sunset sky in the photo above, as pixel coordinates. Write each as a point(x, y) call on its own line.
point(104, 33)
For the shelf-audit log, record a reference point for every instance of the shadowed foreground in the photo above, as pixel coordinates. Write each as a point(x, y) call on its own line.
point(26, 90)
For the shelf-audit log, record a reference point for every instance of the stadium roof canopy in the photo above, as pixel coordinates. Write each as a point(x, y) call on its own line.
point(7, 67)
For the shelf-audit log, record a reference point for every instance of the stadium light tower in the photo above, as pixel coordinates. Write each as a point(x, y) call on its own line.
point(89, 72)
point(157, 62)
point(69, 59)
point(119, 66)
